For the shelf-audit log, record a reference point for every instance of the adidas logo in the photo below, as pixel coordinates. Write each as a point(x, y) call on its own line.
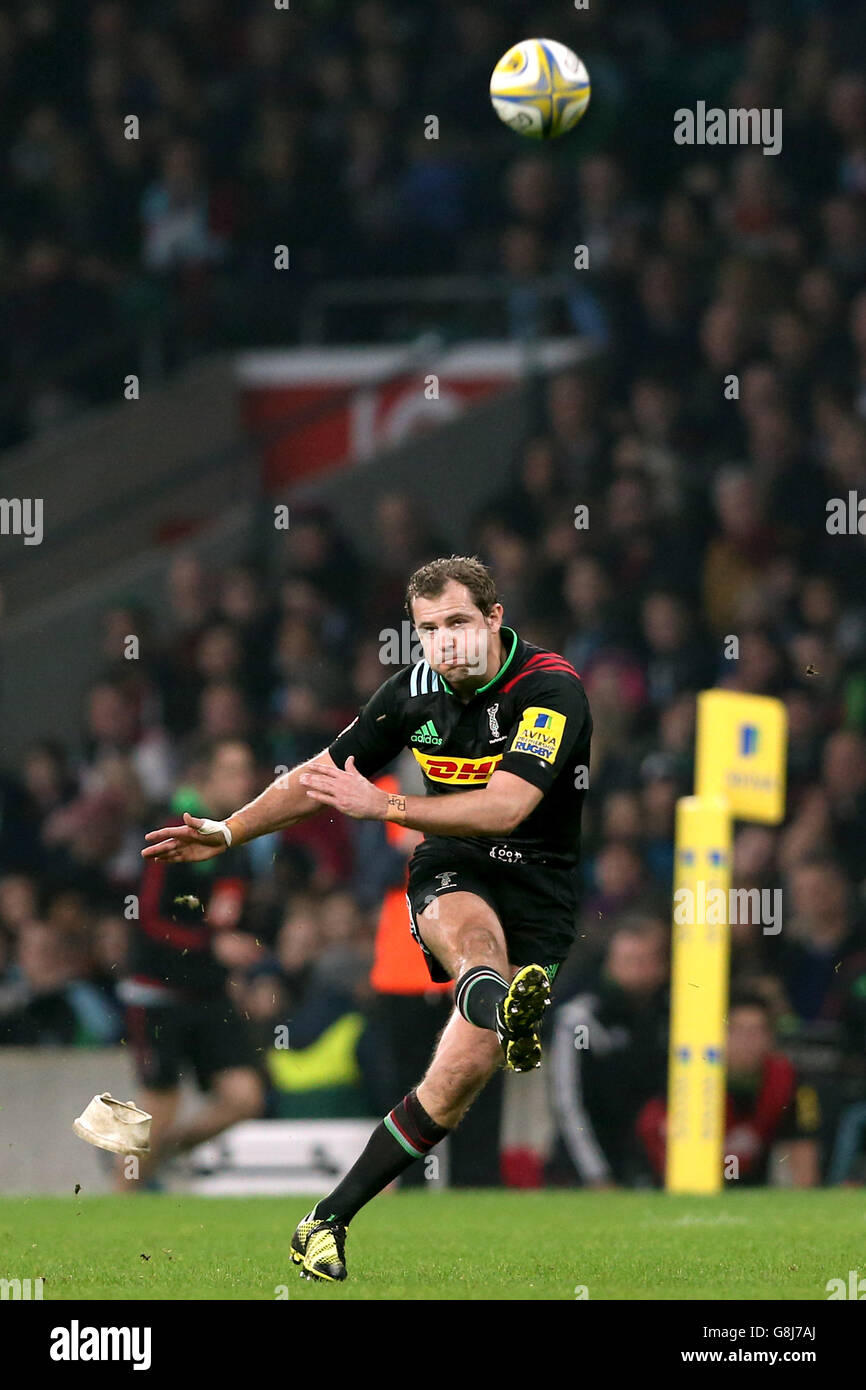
point(426, 734)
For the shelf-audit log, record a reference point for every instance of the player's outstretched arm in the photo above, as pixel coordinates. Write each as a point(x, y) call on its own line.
point(282, 803)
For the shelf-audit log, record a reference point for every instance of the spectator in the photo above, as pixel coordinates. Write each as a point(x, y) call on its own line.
point(765, 1105)
point(61, 1007)
point(822, 935)
point(608, 1056)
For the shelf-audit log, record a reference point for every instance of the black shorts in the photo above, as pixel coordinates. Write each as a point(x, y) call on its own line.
point(536, 903)
point(171, 1040)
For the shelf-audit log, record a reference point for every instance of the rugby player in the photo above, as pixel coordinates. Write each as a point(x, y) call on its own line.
point(501, 730)
point(192, 929)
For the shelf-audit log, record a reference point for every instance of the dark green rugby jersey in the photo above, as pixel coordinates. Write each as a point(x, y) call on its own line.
point(532, 719)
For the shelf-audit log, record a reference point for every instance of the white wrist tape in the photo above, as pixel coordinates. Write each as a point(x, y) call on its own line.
point(215, 827)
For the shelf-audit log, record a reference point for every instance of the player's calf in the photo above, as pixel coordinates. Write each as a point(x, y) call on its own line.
point(464, 1061)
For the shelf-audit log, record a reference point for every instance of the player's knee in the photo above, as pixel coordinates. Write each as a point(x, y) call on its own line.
point(478, 945)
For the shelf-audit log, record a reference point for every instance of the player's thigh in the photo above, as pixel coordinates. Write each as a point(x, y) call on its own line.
point(539, 909)
point(462, 929)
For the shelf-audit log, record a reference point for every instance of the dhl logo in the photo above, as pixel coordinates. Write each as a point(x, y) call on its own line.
point(457, 769)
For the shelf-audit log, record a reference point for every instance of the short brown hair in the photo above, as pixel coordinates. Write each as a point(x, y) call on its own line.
point(430, 580)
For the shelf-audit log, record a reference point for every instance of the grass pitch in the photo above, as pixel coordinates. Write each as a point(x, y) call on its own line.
point(758, 1244)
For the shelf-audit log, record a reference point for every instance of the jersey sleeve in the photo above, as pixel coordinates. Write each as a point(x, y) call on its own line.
point(554, 723)
point(374, 736)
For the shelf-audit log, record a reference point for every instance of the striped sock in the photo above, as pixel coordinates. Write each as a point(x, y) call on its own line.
point(412, 1127)
point(406, 1133)
point(477, 994)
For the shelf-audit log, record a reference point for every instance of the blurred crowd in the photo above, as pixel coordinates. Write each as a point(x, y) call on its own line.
point(155, 155)
point(726, 406)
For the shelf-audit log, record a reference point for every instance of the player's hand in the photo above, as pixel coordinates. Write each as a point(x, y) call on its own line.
point(182, 844)
point(346, 790)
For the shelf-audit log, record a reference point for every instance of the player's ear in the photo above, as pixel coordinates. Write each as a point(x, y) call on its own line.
point(494, 617)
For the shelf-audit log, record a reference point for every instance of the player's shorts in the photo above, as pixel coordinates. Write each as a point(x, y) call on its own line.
point(536, 903)
point(170, 1041)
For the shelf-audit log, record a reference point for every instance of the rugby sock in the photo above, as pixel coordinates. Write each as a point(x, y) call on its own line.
point(478, 993)
point(406, 1133)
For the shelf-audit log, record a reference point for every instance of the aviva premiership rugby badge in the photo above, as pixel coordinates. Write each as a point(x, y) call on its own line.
point(540, 733)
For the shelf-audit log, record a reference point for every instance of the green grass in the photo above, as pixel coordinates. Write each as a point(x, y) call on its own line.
point(444, 1245)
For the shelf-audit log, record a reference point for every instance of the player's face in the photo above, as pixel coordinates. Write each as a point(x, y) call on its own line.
point(454, 634)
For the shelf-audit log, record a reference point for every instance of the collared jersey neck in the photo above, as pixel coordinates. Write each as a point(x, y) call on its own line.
point(509, 631)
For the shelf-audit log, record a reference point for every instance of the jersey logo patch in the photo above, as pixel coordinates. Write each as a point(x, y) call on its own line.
point(474, 770)
point(426, 734)
point(539, 733)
